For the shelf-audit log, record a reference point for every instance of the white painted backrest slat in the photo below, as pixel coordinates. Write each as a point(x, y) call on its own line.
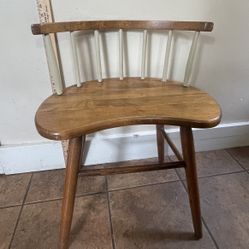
point(75, 60)
point(167, 57)
point(98, 60)
point(56, 75)
point(144, 53)
point(121, 55)
point(53, 65)
point(189, 66)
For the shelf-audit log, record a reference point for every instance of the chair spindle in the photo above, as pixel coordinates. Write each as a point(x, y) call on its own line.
point(166, 65)
point(98, 60)
point(54, 70)
point(144, 53)
point(121, 55)
point(188, 70)
point(75, 60)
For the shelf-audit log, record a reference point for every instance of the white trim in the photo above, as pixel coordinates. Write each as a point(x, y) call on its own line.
point(31, 157)
point(1, 170)
point(172, 129)
point(117, 147)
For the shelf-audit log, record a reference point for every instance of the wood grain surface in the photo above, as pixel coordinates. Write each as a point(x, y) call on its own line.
point(47, 28)
point(113, 103)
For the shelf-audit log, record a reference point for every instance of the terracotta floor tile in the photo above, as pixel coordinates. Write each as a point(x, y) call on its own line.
point(154, 217)
point(8, 218)
point(140, 179)
point(241, 154)
point(213, 163)
point(13, 189)
point(123, 181)
point(225, 205)
point(39, 225)
point(49, 185)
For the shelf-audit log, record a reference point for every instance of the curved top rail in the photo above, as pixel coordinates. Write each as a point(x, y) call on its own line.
point(46, 28)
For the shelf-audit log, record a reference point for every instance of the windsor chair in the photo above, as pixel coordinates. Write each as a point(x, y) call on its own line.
point(73, 112)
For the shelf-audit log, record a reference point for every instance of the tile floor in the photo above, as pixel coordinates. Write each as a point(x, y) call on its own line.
point(141, 210)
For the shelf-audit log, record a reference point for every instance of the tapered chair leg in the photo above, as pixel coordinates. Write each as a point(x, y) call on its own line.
point(191, 176)
point(73, 161)
point(82, 154)
point(160, 143)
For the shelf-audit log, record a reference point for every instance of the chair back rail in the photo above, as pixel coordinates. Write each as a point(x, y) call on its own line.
point(120, 27)
point(56, 27)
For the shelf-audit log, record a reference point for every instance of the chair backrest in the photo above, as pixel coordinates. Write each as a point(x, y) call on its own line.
point(118, 26)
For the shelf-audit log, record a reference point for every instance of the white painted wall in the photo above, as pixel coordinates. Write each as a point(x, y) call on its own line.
point(222, 65)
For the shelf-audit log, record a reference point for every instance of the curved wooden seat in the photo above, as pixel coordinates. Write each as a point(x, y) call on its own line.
point(113, 103)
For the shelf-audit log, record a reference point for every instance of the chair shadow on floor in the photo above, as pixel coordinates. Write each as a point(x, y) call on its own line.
point(82, 221)
point(147, 234)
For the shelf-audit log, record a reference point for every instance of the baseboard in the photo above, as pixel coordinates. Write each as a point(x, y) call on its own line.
point(31, 157)
point(112, 148)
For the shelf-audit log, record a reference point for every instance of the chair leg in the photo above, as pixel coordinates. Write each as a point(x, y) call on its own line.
point(82, 154)
point(191, 176)
point(160, 143)
point(73, 161)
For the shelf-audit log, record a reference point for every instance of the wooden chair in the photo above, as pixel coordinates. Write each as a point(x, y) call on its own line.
point(73, 112)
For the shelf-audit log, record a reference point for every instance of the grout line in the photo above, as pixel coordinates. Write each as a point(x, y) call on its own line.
point(202, 218)
point(95, 193)
point(235, 159)
point(11, 206)
point(19, 216)
point(141, 186)
point(122, 189)
point(109, 212)
point(218, 174)
point(213, 175)
point(221, 174)
point(60, 198)
point(178, 174)
point(209, 232)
